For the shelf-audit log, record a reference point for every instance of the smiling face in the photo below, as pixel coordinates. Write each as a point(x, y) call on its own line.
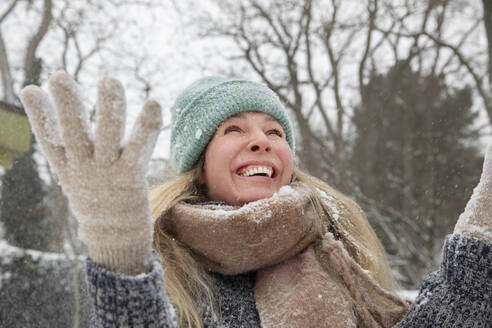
point(247, 159)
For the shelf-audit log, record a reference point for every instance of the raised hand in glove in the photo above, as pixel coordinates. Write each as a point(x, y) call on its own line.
point(104, 180)
point(476, 220)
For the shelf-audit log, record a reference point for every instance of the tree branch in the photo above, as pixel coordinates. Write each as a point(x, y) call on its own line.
point(487, 20)
point(372, 17)
point(8, 11)
point(476, 78)
point(33, 44)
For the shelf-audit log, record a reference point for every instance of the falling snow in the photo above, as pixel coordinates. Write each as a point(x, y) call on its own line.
point(198, 134)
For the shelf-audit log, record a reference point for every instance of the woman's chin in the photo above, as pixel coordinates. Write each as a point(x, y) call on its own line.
point(243, 194)
point(253, 197)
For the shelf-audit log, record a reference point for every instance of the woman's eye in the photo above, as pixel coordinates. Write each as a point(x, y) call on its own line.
point(232, 128)
point(276, 132)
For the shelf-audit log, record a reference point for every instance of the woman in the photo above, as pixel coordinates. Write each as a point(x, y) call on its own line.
point(245, 238)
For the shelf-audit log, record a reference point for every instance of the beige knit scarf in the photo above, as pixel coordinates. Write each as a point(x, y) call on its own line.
point(303, 279)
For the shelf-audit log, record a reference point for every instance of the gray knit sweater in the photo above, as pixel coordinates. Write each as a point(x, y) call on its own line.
point(459, 294)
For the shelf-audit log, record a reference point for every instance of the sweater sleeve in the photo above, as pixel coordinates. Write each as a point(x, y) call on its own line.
point(459, 294)
point(129, 301)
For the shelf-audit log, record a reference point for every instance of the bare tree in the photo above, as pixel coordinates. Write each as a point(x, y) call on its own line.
point(461, 51)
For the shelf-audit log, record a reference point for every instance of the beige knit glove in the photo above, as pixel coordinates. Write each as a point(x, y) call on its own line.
point(476, 220)
point(104, 180)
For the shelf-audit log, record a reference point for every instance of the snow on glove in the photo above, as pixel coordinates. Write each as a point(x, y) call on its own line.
point(476, 220)
point(105, 182)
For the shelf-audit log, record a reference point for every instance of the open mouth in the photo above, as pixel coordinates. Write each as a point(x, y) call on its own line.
point(256, 170)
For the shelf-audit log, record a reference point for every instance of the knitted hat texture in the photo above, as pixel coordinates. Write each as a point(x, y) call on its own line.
point(204, 105)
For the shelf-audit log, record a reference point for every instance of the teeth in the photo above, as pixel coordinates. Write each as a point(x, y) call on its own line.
point(257, 169)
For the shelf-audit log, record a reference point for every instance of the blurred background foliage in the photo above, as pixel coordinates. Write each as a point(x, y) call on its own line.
point(391, 101)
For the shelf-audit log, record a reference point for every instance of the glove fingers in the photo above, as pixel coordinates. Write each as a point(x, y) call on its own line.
point(42, 117)
point(487, 164)
point(475, 220)
point(485, 184)
point(144, 135)
point(72, 115)
point(110, 126)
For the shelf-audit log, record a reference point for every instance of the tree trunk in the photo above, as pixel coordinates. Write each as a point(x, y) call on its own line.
point(7, 82)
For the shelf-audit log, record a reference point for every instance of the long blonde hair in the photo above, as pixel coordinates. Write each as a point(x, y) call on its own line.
point(189, 286)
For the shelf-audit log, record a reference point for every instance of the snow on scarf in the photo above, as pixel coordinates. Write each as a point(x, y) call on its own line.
point(303, 279)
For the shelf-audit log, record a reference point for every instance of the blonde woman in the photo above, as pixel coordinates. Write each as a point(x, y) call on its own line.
point(241, 238)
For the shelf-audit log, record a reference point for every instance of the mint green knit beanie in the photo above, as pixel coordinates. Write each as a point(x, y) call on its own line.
point(204, 105)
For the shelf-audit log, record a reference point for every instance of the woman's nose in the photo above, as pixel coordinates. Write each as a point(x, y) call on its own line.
point(259, 142)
